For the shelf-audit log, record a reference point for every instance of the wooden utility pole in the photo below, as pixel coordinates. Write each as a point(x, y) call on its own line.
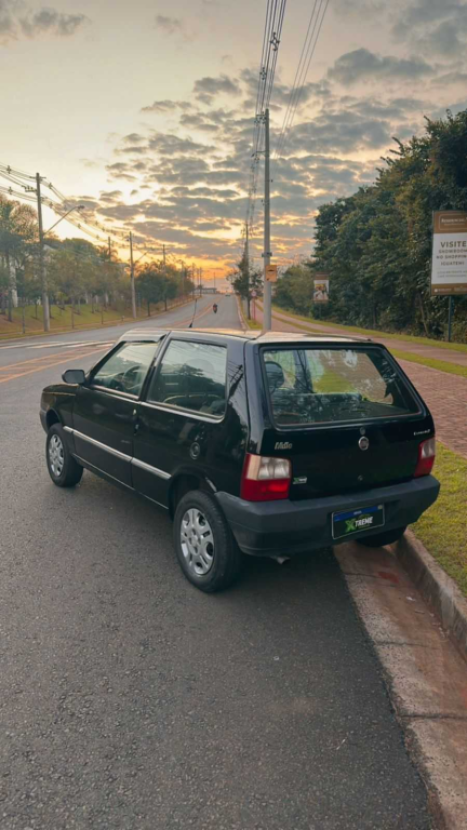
point(247, 265)
point(267, 229)
point(132, 275)
point(45, 296)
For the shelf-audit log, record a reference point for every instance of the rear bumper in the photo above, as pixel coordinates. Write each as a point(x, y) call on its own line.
point(289, 527)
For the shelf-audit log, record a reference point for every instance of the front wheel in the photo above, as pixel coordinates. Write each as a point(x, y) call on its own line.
point(206, 549)
point(63, 469)
point(381, 539)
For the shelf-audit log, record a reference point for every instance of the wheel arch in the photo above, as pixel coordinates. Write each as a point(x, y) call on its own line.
point(52, 418)
point(183, 482)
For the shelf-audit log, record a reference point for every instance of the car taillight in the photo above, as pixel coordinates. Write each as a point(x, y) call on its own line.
point(426, 458)
point(265, 478)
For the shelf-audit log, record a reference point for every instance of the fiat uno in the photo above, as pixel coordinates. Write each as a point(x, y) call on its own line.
point(268, 445)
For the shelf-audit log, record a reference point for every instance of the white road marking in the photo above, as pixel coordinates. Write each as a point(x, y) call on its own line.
point(60, 345)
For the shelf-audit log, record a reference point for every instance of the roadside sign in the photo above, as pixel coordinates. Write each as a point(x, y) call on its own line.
point(321, 288)
point(449, 259)
point(271, 273)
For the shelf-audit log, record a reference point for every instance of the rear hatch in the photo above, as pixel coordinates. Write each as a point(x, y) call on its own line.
point(344, 414)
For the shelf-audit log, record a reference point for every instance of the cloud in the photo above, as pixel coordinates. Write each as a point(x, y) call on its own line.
point(206, 89)
point(7, 23)
point(357, 8)
point(195, 189)
point(32, 24)
point(172, 26)
point(167, 106)
point(363, 65)
point(436, 26)
point(425, 12)
point(49, 20)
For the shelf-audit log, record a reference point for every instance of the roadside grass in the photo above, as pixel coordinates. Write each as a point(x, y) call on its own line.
point(62, 320)
point(250, 324)
point(441, 365)
point(433, 363)
point(410, 338)
point(443, 528)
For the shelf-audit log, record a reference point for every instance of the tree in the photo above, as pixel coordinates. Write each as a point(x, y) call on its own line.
point(376, 244)
point(17, 230)
point(150, 285)
point(244, 281)
point(294, 290)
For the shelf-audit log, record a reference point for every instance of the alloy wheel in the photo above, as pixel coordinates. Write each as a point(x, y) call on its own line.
point(56, 455)
point(197, 542)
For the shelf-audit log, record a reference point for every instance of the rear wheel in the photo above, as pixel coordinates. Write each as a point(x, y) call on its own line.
point(381, 539)
point(63, 469)
point(206, 549)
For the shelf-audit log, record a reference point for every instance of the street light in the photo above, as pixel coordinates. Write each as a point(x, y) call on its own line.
point(76, 207)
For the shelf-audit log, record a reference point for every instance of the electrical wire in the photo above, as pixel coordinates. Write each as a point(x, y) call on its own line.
point(317, 16)
point(275, 13)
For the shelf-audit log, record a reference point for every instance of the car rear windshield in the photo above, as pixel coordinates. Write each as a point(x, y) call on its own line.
point(315, 385)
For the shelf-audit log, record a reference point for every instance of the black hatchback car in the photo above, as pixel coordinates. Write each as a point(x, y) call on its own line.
point(268, 445)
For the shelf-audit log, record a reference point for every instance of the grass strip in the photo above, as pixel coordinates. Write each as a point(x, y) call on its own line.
point(250, 324)
point(410, 338)
point(86, 321)
point(440, 365)
point(432, 363)
point(443, 528)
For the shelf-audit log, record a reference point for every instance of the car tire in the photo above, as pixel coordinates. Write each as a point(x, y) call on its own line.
point(381, 539)
point(63, 469)
point(206, 549)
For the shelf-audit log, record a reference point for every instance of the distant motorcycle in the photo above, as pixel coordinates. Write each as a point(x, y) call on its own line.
point(214, 308)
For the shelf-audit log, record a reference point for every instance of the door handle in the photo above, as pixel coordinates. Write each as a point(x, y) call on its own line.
point(136, 421)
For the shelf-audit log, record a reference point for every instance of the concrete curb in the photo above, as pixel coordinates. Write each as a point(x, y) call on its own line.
point(240, 313)
point(436, 587)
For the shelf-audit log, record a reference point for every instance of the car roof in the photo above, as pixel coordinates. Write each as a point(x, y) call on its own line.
point(154, 335)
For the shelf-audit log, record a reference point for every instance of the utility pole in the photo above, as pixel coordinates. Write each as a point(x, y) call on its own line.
point(132, 273)
point(163, 255)
point(267, 228)
point(110, 249)
point(45, 296)
point(247, 264)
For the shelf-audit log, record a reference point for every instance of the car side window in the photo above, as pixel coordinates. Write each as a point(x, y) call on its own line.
point(126, 369)
point(191, 376)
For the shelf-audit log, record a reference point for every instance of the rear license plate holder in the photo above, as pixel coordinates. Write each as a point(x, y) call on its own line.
point(346, 523)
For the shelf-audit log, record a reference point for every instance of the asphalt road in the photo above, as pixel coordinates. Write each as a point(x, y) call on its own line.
point(131, 701)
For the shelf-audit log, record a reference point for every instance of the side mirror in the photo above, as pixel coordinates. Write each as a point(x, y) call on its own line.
point(76, 376)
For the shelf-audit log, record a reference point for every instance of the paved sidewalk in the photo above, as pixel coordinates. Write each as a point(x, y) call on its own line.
point(445, 394)
point(433, 352)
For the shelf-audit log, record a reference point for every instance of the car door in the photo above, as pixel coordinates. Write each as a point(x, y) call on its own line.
point(104, 411)
point(179, 423)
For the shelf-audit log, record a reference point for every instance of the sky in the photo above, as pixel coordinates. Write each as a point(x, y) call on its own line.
point(143, 111)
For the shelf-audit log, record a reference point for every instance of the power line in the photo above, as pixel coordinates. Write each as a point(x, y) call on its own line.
point(317, 16)
point(275, 12)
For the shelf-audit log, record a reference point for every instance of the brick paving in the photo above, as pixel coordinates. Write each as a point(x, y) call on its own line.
point(445, 394)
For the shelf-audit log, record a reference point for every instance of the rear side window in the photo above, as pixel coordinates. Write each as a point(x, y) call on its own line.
point(192, 376)
point(308, 386)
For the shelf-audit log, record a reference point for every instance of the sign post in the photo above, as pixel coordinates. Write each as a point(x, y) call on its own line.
point(449, 260)
point(321, 288)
